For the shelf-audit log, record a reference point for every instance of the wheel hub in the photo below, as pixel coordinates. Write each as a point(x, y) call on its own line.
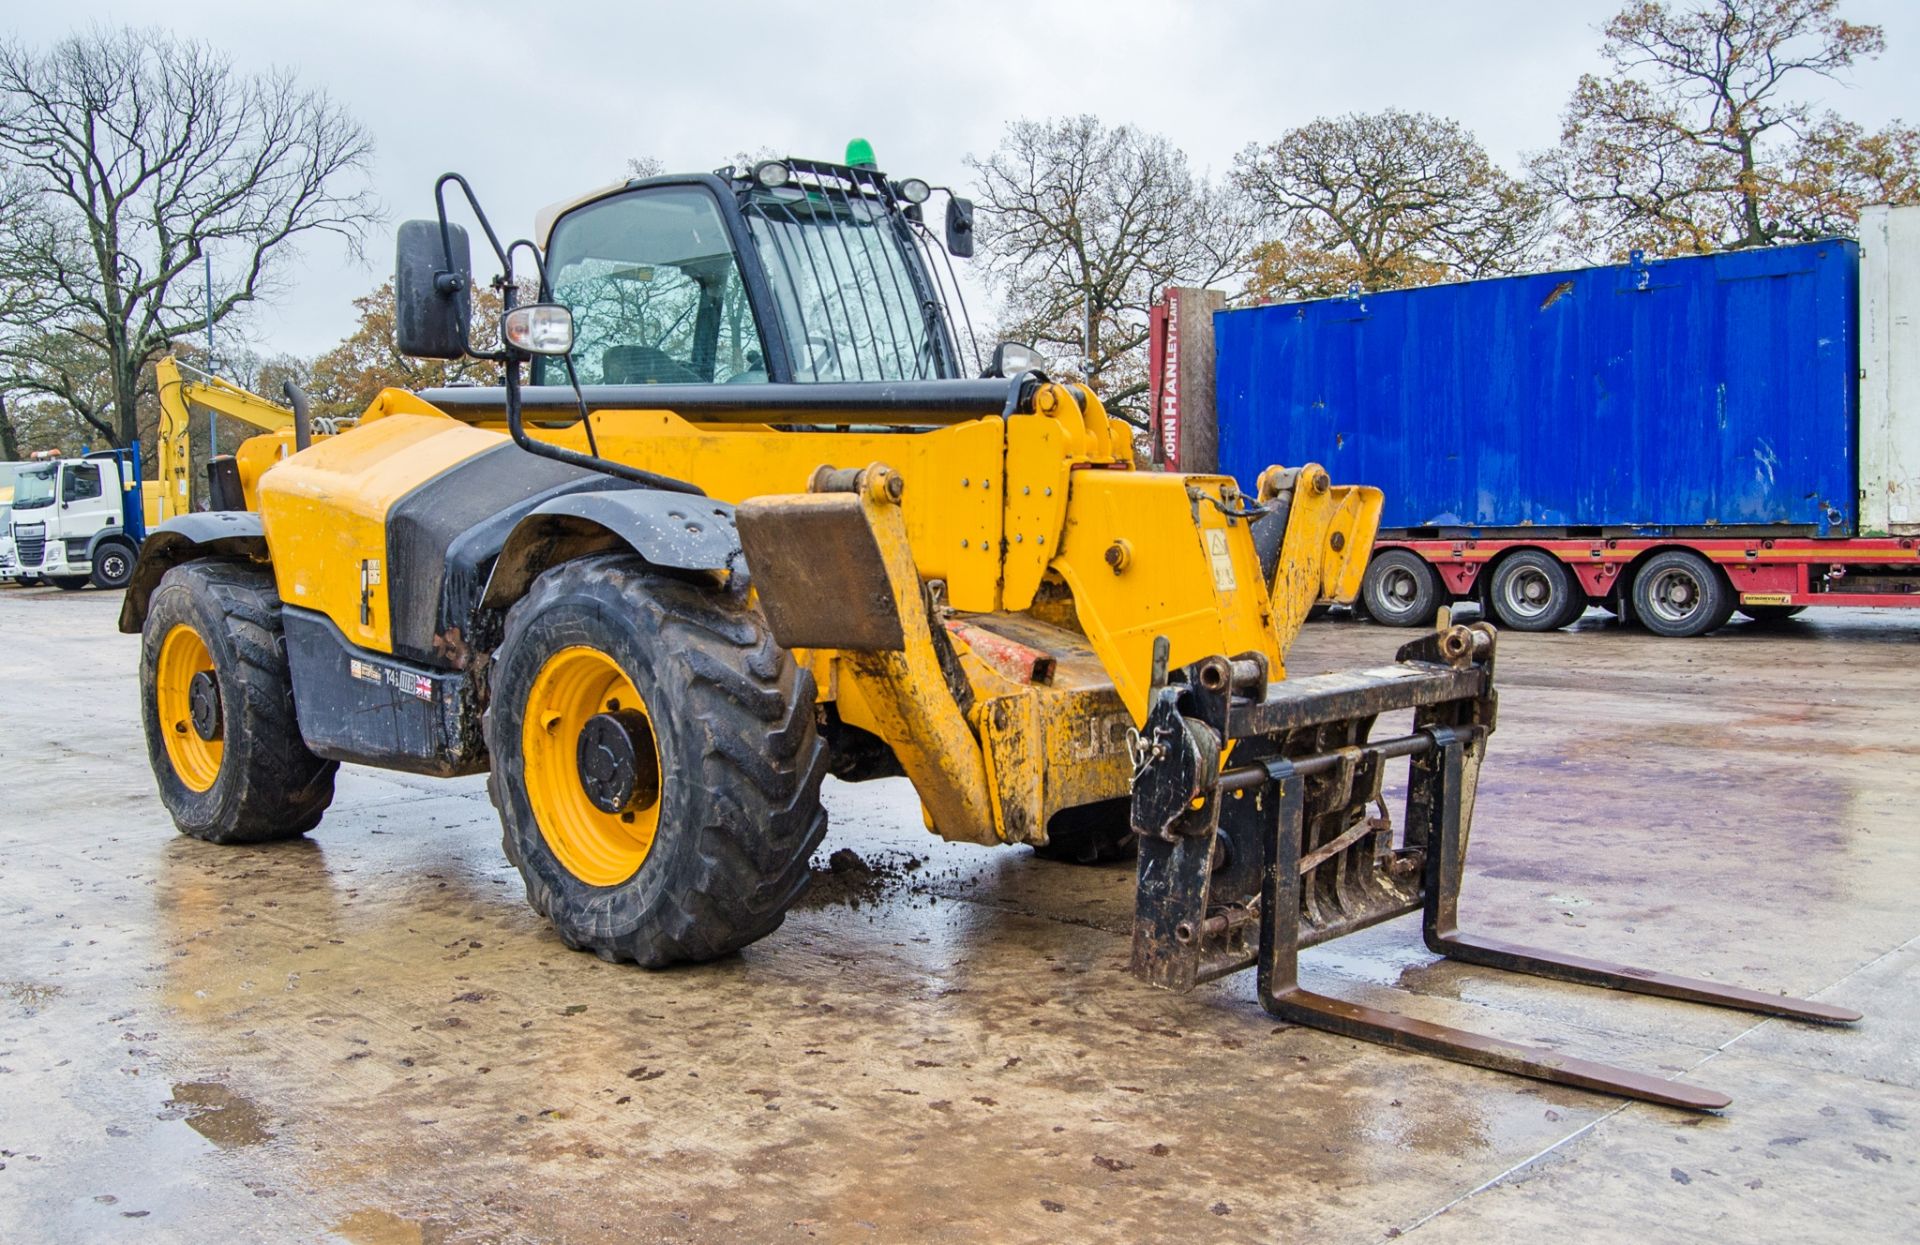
point(1678, 593)
point(615, 759)
point(203, 706)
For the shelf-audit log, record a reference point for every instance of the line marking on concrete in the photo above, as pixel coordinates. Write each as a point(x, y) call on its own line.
point(1529, 1161)
point(1588, 1127)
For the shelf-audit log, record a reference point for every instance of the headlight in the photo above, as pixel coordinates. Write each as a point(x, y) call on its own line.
point(538, 328)
point(772, 174)
point(1013, 358)
point(913, 190)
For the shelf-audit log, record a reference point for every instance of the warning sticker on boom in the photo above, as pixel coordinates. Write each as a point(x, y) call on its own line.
point(1222, 560)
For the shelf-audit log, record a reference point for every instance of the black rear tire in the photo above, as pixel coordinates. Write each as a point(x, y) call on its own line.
point(1771, 613)
point(269, 786)
point(1534, 591)
point(1400, 589)
point(1679, 594)
point(740, 761)
point(1093, 834)
point(113, 564)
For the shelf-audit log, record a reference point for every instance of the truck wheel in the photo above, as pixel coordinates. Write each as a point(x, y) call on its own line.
point(1400, 589)
point(1093, 834)
point(113, 564)
point(1534, 591)
point(1770, 613)
point(656, 763)
point(1679, 593)
point(217, 703)
point(69, 583)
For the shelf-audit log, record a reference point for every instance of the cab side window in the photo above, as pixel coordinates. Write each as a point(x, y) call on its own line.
point(82, 482)
point(655, 291)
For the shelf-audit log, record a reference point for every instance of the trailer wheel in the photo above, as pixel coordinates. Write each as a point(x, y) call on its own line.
point(1678, 593)
point(1400, 589)
point(217, 704)
point(113, 564)
point(1534, 591)
point(1093, 834)
point(1770, 613)
point(656, 763)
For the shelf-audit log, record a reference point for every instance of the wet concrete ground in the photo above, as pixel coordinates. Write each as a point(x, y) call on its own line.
point(367, 1037)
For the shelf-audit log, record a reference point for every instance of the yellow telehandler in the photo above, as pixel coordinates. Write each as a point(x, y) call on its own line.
point(742, 514)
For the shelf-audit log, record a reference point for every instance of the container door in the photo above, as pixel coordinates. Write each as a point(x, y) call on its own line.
point(1890, 371)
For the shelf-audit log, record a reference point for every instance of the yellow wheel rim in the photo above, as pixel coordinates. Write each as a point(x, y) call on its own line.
point(183, 654)
point(599, 848)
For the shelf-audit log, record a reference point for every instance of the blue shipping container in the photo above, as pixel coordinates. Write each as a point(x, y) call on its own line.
point(1678, 393)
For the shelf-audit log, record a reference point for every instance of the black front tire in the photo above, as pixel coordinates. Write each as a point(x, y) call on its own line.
point(1400, 589)
point(269, 785)
point(69, 583)
point(740, 755)
point(113, 563)
point(1679, 594)
point(1093, 834)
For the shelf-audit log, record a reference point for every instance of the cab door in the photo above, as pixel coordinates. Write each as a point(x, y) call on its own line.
point(89, 502)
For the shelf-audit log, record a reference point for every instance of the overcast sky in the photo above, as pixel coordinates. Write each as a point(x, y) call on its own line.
point(536, 102)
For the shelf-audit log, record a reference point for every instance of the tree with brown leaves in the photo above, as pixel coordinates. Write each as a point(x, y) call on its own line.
point(345, 380)
point(1697, 141)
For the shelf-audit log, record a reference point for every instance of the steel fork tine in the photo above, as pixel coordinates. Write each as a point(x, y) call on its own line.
point(1441, 928)
point(1281, 994)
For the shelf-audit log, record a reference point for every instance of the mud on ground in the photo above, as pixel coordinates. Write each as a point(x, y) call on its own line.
point(367, 1037)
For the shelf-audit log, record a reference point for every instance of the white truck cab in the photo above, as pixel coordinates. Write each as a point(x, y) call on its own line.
point(78, 520)
point(9, 565)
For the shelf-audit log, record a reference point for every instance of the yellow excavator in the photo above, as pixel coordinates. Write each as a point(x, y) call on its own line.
point(233, 480)
point(748, 509)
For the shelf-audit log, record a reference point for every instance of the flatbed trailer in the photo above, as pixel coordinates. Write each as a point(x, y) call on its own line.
point(1763, 577)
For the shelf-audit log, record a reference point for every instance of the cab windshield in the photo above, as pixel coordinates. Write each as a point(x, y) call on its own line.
point(851, 304)
point(33, 489)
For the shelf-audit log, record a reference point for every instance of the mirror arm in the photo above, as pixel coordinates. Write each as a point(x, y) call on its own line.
point(449, 280)
point(516, 428)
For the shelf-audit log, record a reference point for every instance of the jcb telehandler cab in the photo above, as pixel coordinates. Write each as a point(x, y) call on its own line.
point(751, 520)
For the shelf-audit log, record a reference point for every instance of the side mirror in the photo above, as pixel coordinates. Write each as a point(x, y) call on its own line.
point(960, 227)
point(431, 299)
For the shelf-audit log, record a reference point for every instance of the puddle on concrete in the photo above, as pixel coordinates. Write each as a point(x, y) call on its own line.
point(223, 1117)
point(381, 1227)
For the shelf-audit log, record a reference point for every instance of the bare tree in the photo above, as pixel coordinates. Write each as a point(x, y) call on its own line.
point(1695, 142)
point(132, 156)
point(1082, 225)
point(1380, 200)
